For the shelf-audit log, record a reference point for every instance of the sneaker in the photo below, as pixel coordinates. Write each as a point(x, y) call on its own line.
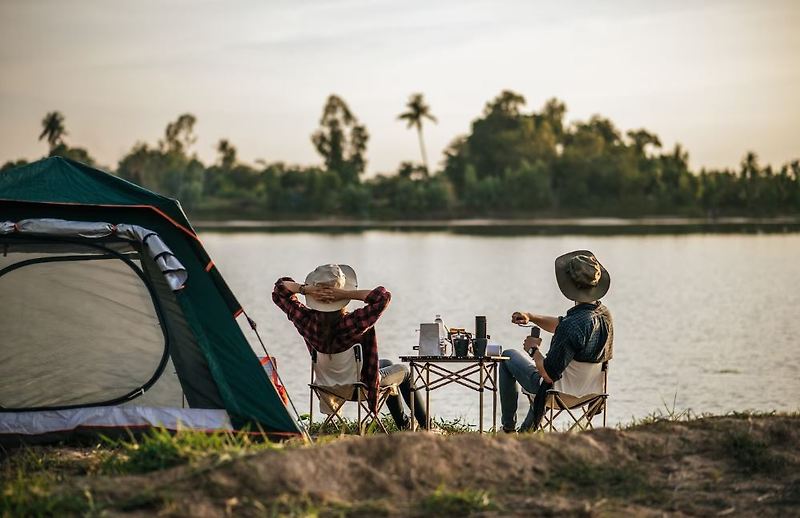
point(434, 429)
point(407, 425)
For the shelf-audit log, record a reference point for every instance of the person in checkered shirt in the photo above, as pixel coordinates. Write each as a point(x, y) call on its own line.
point(584, 334)
point(326, 327)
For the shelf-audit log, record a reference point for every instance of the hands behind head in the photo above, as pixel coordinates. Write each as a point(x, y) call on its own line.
point(520, 318)
point(326, 294)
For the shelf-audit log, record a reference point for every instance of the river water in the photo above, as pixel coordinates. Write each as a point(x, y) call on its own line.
point(707, 323)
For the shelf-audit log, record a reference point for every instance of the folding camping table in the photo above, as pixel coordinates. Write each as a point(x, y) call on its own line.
point(434, 372)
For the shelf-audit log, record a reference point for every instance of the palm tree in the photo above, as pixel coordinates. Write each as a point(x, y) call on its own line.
point(417, 111)
point(227, 154)
point(53, 129)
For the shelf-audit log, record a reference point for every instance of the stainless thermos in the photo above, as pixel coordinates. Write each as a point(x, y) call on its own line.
point(535, 332)
point(479, 344)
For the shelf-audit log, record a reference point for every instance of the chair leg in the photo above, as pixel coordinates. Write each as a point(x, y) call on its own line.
point(311, 408)
point(381, 403)
point(370, 419)
point(583, 421)
point(545, 426)
point(330, 421)
point(600, 406)
point(576, 421)
point(360, 424)
point(553, 418)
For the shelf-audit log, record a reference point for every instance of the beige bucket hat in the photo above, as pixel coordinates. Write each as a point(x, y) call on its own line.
point(340, 276)
point(581, 277)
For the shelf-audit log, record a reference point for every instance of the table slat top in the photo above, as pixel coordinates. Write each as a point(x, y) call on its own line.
point(452, 359)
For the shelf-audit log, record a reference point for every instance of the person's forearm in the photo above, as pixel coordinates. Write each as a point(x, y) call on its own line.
point(538, 359)
point(357, 294)
point(549, 324)
point(294, 287)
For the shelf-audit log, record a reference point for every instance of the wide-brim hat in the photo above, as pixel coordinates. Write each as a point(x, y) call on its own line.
point(340, 276)
point(581, 277)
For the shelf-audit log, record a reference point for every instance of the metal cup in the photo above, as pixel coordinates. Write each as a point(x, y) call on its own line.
point(461, 346)
point(479, 347)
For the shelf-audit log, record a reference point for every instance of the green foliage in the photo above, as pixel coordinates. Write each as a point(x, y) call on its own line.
point(670, 414)
point(160, 449)
point(512, 163)
point(455, 503)
point(442, 425)
point(602, 479)
point(33, 484)
point(53, 129)
point(453, 426)
point(341, 140)
point(416, 113)
point(11, 164)
point(38, 494)
point(179, 135)
point(751, 453)
point(168, 169)
point(78, 154)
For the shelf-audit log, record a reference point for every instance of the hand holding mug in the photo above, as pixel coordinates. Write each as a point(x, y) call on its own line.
point(520, 318)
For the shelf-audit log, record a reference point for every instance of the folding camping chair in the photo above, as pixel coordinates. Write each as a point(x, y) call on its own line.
point(327, 374)
point(582, 389)
point(581, 393)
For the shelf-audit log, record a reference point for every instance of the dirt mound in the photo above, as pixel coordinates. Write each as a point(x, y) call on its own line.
point(732, 465)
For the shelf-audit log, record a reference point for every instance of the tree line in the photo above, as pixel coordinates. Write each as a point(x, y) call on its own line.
point(512, 163)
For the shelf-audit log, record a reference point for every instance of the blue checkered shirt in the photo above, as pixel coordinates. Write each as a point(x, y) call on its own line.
point(585, 334)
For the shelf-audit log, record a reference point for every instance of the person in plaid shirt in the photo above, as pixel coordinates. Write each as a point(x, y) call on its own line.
point(326, 327)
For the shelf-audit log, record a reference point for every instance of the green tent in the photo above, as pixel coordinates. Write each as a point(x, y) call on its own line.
point(115, 315)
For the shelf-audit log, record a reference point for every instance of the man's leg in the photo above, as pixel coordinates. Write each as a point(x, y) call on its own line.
point(527, 423)
point(519, 368)
point(400, 375)
point(393, 402)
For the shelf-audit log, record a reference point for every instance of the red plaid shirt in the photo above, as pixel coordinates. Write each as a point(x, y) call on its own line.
point(353, 328)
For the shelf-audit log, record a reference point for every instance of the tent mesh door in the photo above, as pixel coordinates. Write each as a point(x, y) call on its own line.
point(79, 326)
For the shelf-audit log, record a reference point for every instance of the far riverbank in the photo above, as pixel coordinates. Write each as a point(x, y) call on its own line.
point(538, 226)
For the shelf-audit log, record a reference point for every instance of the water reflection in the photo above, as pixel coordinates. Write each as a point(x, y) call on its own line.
point(705, 321)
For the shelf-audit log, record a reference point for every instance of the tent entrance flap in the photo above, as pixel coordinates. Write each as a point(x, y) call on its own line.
point(80, 326)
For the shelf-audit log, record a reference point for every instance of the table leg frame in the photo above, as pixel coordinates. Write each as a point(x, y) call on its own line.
point(487, 379)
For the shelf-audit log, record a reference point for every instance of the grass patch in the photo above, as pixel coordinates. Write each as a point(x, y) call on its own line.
point(365, 509)
point(453, 426)
point(37, 495)
point(595, 480)
point(350, 426)
point(160, 449)
point(143, 501)
point(669, 414)
point(455, 503)
point(35, 459)
point(751, 454)
point(283, 507)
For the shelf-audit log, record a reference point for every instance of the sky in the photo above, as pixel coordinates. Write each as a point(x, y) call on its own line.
point(720, 77)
